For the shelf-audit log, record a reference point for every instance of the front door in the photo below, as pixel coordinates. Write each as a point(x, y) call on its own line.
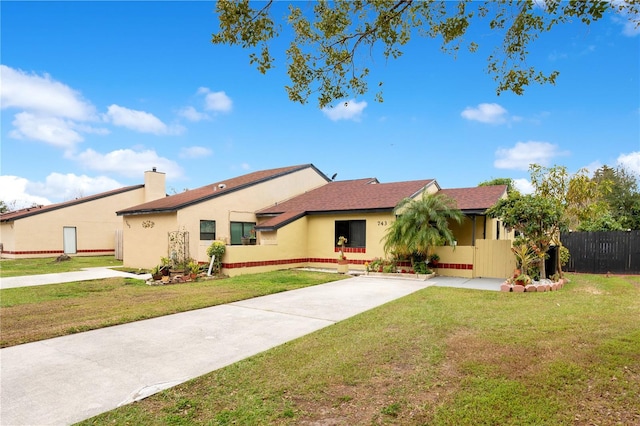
point(69, 240)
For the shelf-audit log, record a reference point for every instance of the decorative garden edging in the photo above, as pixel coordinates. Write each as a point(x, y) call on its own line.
point(533, 288)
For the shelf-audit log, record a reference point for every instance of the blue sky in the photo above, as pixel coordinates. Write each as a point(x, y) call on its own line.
point(95, 93)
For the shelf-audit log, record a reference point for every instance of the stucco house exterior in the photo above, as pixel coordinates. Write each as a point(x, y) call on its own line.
point(185, 224)
point(303, 231)
point(85, 226)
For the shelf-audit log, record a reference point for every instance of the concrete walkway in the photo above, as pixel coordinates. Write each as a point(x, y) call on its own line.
point(71, 378)
point(66, 277)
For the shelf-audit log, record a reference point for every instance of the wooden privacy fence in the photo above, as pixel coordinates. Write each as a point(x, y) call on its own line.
point(119, 254)
point(617, 252)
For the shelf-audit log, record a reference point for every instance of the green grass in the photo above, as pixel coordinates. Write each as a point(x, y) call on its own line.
point(40, 312)
point(441, 356)
point(48, 265)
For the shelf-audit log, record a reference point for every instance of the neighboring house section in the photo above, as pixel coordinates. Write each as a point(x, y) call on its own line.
point(85, 226)
point(185, 224)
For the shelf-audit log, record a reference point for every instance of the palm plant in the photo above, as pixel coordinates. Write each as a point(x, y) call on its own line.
point(422, 223)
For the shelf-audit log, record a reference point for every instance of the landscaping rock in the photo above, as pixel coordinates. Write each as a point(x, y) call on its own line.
point(505, 287)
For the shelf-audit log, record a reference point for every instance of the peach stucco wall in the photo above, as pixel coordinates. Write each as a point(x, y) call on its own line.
point(95, 221)
point(237, 206)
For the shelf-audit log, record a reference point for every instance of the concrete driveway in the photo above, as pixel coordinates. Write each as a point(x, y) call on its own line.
point(71, 378)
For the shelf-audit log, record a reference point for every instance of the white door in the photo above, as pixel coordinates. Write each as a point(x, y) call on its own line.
point(69, 239)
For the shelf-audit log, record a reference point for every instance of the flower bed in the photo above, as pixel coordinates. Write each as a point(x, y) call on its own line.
point(535, 287)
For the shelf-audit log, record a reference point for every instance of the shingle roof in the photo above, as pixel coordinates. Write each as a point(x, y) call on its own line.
point(207, 192)
point(31, 211)
point(342, 196)
point(478, 198)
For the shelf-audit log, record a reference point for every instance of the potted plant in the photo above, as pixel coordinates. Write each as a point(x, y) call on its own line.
point(165, 265)
point(156, 273)
point(434, 259)
point(343, 263)
point(194, 269)
point(525, 257)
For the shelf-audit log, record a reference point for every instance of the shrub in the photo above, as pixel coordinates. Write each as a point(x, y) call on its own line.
point(217, 249)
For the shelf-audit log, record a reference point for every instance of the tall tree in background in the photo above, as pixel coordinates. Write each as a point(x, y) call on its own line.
point(511, 187)
point(575, 195)
point(620, 193)
point(333, 43)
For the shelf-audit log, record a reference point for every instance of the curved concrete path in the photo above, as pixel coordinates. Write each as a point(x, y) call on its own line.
point(71, 378)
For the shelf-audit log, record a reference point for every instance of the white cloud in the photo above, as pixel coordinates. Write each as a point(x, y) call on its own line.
point(195, 152)
point(349, 110)
point(486, 113)
point(631, 162)
point(191, 114)
point(140, 121)
point(127, 162)
point(14, 191)
point(630, 29)
point(43, 95)
point(525, 153)
point(53, 130)
point(64, 187)
point(215, 101)
point(52, 112)
point(626, 20)
point(524, 186)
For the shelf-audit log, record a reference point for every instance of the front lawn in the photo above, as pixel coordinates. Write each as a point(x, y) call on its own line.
point(41, 312)
point(441, 356)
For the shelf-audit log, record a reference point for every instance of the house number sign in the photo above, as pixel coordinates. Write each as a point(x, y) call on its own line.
point(382, 223)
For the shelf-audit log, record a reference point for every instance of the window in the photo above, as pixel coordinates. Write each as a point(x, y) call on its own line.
point(207, 230)
point(240, 230)
point(353, 230)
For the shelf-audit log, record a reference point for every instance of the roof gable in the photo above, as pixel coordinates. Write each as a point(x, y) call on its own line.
point(31, 211)
point(194, 196)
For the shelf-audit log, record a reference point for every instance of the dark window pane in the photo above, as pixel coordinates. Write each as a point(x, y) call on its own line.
point(354, 230)
point(358, 233)
point(207, 230)
point(241, 230)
